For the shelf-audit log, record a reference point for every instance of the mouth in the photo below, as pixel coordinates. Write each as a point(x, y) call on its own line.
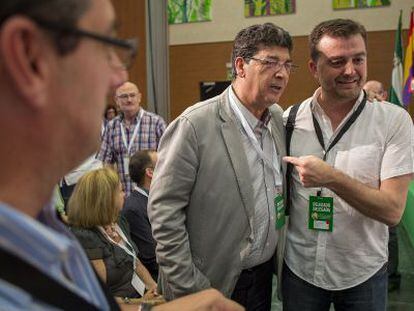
point(348, 82)
point(276, 88)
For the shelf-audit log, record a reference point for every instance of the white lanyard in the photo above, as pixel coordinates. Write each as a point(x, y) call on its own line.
point(274, 165)
point(130, 251)
point(128, 146)
point(140, 190)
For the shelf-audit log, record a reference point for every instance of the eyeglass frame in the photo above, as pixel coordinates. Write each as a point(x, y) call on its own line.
point(127, 96)
point(130, 44)
point(276, 64)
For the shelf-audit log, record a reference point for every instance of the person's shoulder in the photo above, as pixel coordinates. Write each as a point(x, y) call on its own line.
point(152, 115)
point(302, 105)
point(133, 202)
point(205, 109)
point(114, 123)
point(388, 110)
point(87, 237)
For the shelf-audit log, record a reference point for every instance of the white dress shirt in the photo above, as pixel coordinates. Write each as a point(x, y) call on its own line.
point(378, 146)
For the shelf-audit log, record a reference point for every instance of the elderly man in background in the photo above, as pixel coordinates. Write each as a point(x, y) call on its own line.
point(133, 130)
point(375, 91)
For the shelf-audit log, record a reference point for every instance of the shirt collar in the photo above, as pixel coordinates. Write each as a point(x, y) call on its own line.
point(317, 109)
point(250, 118)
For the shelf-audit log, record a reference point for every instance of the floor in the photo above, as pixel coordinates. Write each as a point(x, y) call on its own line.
point(399, 300)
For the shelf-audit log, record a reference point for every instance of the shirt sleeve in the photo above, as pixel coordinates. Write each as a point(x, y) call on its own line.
point(160, 129)
point(105, 153)
point(398, 156)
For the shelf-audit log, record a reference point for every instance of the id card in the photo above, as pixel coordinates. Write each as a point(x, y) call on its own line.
point(138, 284)
point(279, 211)
point(320, 213)
point(126, 165)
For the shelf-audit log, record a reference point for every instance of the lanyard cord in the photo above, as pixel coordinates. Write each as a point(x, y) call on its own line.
point(341, 133)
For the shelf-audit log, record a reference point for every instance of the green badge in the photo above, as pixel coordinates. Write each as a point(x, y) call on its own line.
point(279, 211)
point(320, 213)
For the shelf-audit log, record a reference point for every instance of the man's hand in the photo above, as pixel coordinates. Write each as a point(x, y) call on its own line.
point(313, 172)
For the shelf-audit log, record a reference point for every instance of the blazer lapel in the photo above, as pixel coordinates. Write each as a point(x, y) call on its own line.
point(234, 145)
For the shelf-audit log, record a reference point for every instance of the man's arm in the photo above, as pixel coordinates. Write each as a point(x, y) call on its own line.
point(160, 129)
point(174, 178)
point(105, 153)
point(385, 204)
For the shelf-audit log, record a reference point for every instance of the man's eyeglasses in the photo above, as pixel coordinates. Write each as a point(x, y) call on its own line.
point(126, 96)
point(276, 65)
point(121, 52)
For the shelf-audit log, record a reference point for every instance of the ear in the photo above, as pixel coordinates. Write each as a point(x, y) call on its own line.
point(149, 172)
point(239, 65)
point(313, 68)
point(24, 51)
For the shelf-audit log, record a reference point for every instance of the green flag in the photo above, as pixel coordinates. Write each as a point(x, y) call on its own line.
point(397, 70)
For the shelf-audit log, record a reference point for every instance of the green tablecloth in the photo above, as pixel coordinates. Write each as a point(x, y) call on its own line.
point(408, 217)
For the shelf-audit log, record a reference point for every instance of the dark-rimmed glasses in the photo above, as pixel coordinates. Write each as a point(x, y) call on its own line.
point(276, 65)
point(121, 52)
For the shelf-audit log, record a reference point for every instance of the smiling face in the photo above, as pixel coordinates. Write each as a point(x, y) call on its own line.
point(263, 82)
point(341, 68)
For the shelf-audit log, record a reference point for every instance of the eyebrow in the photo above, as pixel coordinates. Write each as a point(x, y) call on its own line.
point(342, 56)
point(277, 58)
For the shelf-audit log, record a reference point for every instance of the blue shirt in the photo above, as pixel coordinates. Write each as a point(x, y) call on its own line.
point(46, 244)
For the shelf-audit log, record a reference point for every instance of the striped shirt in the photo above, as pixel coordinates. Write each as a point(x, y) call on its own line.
point(113, 149)
point(46, 244)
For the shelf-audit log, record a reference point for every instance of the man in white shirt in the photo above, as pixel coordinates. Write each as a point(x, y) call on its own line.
point(353, 162)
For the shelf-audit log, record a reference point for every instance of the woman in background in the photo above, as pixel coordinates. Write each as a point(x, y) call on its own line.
point(94, 217)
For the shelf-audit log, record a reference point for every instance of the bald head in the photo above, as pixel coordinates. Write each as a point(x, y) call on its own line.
point(128, 99)
point(375, 90)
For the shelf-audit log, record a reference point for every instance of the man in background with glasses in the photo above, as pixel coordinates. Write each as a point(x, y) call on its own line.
point(57, 57)
point(133, 130)
point(216, 200)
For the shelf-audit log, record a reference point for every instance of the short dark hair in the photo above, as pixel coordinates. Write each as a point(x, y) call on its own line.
point(65, 12)
point(253, 38)
point(342, 28)
point(109, 107)
point(138, 163)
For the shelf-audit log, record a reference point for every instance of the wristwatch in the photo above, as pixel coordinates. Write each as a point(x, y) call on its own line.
point(145, 307)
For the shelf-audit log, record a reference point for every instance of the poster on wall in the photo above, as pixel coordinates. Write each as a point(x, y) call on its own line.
point(356, 4)
point(254, 8)
point(188, 11)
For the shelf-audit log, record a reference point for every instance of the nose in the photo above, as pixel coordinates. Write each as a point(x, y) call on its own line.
point(349, 68)
point(282, 72)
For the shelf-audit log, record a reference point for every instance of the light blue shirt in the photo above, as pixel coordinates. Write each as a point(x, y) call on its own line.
point(46, 244)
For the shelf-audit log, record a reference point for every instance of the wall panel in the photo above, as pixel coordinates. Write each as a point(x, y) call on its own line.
point(192, 63)
point(131, 16)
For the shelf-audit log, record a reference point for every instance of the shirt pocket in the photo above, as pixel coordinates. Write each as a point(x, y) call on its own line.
point(362, 163)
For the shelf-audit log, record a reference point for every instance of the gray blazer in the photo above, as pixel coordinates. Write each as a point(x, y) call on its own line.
point(200, 203)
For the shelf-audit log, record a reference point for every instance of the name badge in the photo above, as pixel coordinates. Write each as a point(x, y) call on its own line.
point(138, 284)
point(126, 165)
point(280, 211)
point(320, 213)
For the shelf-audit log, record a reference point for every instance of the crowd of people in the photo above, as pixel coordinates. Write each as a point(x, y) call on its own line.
point(199, 214)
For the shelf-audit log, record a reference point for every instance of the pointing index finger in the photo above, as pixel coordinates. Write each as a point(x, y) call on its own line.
point(293, 160)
